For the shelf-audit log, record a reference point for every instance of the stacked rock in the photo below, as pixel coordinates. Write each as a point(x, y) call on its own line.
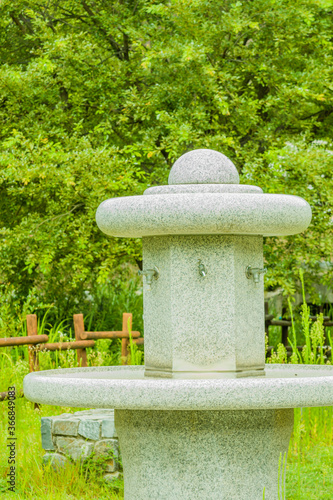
point(82, 435)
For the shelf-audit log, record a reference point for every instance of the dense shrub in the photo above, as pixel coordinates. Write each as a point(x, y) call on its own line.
point(98, 98)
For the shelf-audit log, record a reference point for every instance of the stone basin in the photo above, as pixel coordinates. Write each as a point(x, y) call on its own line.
point(126, 387)
point(189, 439)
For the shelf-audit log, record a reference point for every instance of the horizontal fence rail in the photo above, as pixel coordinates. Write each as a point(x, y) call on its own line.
point(4, 395)
point(65, 346)
point(83, 340)
point(109, 335)
point(86, 339)
point(13, 341)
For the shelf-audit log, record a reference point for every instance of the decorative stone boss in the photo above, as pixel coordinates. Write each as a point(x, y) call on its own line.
point(203, 265)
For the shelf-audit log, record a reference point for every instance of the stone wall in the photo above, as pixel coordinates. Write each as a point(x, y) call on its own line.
point(82, 435)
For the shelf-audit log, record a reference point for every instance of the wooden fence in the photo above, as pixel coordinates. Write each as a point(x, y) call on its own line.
point(83, 339)
point(285, 324)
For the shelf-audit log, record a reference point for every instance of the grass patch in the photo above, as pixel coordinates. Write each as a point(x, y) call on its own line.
point(310, 477)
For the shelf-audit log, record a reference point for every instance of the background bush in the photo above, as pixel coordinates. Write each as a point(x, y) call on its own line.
point(98, 98)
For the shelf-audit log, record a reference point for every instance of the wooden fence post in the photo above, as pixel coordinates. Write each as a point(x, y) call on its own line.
point(266, 314)
point(127, 320)
point(284, 339)
point(32, 329)
point(79, 330)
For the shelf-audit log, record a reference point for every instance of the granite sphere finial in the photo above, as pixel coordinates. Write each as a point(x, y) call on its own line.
point(203, 166)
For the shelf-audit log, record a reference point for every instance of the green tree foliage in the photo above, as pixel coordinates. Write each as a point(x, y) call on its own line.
point(98, 99)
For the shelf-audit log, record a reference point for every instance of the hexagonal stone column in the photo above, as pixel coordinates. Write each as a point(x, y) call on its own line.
point(203, 325)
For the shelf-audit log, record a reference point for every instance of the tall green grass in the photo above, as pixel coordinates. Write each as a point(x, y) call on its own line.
point(312, 332)
point(310, 458)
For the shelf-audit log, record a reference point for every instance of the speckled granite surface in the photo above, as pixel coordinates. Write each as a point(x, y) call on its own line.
point(196, 455)
point(196, 324)
point(203, 188)
point(204, 213)
point(203, 197)
point(203, 166)
point(284, 386)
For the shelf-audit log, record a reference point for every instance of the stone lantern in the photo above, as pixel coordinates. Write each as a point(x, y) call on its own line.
point(204, 418)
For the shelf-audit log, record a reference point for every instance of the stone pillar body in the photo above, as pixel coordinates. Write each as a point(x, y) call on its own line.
point(203, 326)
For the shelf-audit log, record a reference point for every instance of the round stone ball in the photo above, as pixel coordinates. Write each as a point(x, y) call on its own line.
point(203, 166)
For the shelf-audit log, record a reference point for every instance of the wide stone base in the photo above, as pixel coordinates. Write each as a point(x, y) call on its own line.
point(196, 455)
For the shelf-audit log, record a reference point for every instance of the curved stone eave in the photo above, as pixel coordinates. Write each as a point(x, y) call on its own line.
point(204, 213)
